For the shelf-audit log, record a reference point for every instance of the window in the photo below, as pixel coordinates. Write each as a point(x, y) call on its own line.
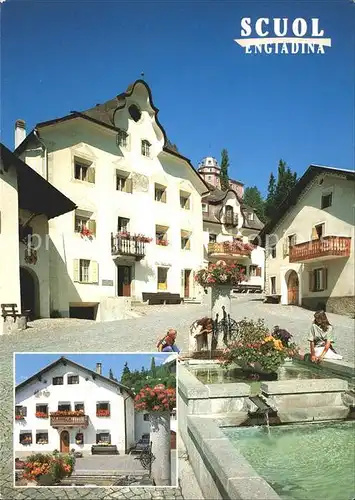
point(250, 216)
point(212, 238)
point(209, 177)
point(79, 407)
point(79, 438)
point(327, 200)
point(25, 437)
point(273, 285)
point(160, 193)
point(288, 243)
point(273, 251)
point(122, 139)
point(122, 225)
point(64, 407)
point(185, 240)
point(123, 182)
point(184, 200)
point(318, 280)
point(145, 148)
point(83, 222)
point(134, 112)
point(102, 409)
point(205, 207)
point(41, 437)
point(228, 215)
point(252, 270)
point(146, 417)
point(57, 381)
point(20, 412)
point(162, 278)
point(84, 172)
point(161, 235)
point(41, 411)
point(103, 438)
point(73, 379)
point(86, 271)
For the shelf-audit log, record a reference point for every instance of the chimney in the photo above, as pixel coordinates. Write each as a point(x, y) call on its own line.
point(20, 132)
point(99, 368)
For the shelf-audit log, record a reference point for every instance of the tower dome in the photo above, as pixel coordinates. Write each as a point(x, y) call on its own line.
point(208, 162)
point(210, 170)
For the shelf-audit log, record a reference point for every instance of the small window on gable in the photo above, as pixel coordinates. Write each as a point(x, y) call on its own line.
point(84, 171)
point(73, 379)
point(122, 139)
point(205, 207)
point(57, 381)
point(145, 148)
point(326, 201)
point(134, 112)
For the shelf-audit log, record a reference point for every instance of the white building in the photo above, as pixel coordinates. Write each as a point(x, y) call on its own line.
point(229, 226)
point(27, 203)
point(102, 410)
point(115, 161)
point(310, 245)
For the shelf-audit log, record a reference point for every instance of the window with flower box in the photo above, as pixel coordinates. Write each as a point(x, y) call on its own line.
point(103, 438)
point(79, 407)
point(57, 381)
point(41, 411)
point(73, 379)
point(84, 171)
point(161, 235)
point(25, 437)
point(64, 406)
point(20, 412)
point(102, 409)
point(41, 437)
point(84, 224)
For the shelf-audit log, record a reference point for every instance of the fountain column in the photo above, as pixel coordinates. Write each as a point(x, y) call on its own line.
point(221, 310)
point(160, 439)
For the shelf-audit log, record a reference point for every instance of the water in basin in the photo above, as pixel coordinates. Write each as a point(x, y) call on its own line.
point(302, 462)
point(212, 374)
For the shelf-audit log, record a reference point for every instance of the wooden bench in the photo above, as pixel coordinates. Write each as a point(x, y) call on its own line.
point(272, 299)
point(12, 311)
point(98, 449)
point(247, 289)
point(161, 298)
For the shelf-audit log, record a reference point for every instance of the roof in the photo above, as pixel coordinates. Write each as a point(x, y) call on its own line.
point(65, 361)
point(103, 114)
point(310, 174)
point(35, 193)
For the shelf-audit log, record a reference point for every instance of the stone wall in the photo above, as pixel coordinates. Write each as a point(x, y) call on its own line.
point(338, 305)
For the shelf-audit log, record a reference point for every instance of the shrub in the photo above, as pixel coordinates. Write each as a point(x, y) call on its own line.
point(158, 398)
point(56, 465)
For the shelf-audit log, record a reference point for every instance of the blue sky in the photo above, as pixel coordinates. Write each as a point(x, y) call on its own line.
point(58, 56)
point(27, 365)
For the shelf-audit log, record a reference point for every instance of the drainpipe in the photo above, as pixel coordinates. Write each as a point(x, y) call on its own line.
point(125, 423)
point(45, 152)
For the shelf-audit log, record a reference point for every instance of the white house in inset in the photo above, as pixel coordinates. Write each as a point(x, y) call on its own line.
point(229, 226)
point(138, 226)
point(27, 203)
point(67, 406)
point(310, 244)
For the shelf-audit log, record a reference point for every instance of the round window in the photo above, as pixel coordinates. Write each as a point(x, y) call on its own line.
point(135, 112)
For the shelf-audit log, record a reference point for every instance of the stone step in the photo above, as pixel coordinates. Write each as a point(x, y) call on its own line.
point(314, 414)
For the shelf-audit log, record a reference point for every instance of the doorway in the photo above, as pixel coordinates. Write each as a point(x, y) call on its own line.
point(187, 274)
point(124, 279)
point(29, 293)
point(292, 289)
point(64, 442)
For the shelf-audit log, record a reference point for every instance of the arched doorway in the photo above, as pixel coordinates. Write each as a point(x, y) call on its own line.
point(292, 289)
point(29, 292)
point(64, 442)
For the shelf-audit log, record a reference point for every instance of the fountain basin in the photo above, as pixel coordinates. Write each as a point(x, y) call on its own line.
point(301, 461)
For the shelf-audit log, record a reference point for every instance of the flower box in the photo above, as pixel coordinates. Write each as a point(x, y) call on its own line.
point(41, 414)
point(162, 243)
point(124, 235)
point(19, 417)
point(102, 413)
point(67, 413)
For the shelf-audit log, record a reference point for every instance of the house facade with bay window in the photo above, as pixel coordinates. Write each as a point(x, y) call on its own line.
point(229, 228)
point(310, 248)
point(138, 226)
point(67, 406)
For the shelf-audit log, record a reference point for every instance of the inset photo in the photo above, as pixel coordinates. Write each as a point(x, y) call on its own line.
point(95, 419)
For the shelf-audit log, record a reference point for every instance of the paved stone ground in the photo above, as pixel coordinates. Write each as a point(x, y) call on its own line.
point(137, 334)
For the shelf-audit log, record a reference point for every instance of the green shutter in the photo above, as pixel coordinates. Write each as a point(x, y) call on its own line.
point(92, 226)
point(93, 272)
point(91, 175)
point(163, 198)
point(128, 185)
point(76, 273)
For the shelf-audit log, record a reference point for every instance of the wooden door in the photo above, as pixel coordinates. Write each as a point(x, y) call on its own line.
point(173, 440)
point(292, 289)
point(187, 274)
point(124, 281)
point(64, 442)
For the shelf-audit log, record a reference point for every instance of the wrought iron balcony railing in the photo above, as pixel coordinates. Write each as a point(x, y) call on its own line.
point(128, 246)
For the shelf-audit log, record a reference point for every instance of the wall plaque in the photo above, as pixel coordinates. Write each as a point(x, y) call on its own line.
point(107, 282)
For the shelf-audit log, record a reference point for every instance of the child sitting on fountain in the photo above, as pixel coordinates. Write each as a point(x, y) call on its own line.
point(167, 343)
point(321, 339)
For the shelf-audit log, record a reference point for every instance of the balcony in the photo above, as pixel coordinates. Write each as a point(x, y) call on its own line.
point(229, 250)
point(69, 421)
point(230, 219)
point(129, 246)
point(328, 247)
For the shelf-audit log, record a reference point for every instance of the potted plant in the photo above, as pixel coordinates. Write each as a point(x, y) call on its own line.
point(253, 348)
point(19, 417)
point(41, 414)
point(86, 233)
point(102, 413)
point(162, 243)
point(220, 273)
point(41, 467)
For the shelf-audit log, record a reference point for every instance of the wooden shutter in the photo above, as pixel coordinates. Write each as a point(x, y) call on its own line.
point(188, 204)
point(128, 185)
point(311, 281)
point(258, 271)
point(92, 226)
point(76, 270)
point(163, 198)
point(314, 234)
point(286, 247)
point(93, 272)
point(325, 278)
point(188, 244)
point(91, 175)
point(24, 411)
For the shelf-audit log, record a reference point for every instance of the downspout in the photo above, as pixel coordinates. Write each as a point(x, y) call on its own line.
point(125, 423)
point(45, 152)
